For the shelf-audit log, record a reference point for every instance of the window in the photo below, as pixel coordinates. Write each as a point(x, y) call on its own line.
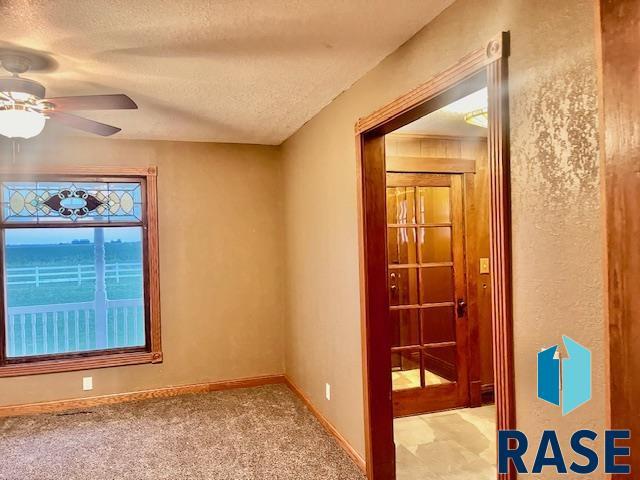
point(80, 263)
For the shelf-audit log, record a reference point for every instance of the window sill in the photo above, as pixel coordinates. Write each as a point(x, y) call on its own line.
point(81, 363)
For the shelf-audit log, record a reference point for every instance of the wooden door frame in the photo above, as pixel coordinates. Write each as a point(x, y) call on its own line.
point(618, 37)
point(489, 61)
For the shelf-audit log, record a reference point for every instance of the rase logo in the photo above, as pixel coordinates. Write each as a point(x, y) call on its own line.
point(565, 383)
point(575, 372)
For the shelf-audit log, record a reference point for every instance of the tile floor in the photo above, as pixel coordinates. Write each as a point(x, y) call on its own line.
point(404, 379)
point(452, 445)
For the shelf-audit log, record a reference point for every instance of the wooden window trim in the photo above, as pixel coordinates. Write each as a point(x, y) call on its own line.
point(490, 62)
point(152, 351)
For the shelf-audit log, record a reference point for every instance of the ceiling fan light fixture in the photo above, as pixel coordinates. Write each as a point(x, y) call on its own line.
point(24, 110)
point(479, 118)
point(16, 121)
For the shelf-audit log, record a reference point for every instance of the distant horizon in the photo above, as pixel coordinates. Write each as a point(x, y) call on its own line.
point(65, 236)
point(66, 243)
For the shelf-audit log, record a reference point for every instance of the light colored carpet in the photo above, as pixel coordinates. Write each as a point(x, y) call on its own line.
point(258, 433)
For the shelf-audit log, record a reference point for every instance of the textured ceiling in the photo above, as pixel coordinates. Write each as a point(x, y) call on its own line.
point(250, 71)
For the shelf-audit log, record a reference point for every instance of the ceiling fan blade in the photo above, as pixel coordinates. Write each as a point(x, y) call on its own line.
point(82, 123)
point(93, 102)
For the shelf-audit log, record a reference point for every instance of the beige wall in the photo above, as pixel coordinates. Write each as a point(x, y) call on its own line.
point(557, 250)
point(221, 230)
point(221, 264)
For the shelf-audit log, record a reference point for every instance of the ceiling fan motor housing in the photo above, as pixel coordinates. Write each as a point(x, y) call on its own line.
point(24, 108)
point(22, 85)
point(15, 63)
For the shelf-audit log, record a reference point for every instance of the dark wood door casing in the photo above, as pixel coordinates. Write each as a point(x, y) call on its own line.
point(491, 62)
point(620, 145)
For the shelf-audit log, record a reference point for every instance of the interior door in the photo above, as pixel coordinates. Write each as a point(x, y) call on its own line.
point(427, 294)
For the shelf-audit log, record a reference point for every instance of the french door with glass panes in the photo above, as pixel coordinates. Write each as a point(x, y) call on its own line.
point(427, 294)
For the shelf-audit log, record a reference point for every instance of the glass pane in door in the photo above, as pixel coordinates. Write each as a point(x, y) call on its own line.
point(434, 204)
point(439, 344)
point(401, 245)
point(440, 365)
point(435, 244)
point(403, 286)
point(405, 325)
point(401, 205)
point(438, 325)
point(405, 370)
point(436, 285)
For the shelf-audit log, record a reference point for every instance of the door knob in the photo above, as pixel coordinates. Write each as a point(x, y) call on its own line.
point(462, 307)
point(393, 285)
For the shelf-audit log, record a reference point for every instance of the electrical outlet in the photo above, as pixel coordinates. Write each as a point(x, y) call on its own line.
point(327, 391)
point(87, 383)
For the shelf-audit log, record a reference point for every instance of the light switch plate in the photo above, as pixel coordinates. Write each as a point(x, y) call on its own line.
point(327, 391)
point(87, 383)
point(484, 265)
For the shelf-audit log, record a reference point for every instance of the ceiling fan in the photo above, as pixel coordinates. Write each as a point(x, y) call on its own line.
point(24, 110)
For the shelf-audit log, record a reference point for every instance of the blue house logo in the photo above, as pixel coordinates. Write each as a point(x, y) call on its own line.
point(565, 382)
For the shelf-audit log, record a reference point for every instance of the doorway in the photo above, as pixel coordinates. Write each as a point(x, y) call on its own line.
point(413, 273)
point(439, 293)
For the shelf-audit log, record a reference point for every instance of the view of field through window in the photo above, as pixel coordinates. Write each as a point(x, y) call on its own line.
point(73, 289)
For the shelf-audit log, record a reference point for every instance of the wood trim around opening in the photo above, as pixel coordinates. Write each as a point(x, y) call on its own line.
point(78, 363)
point(500, 250)
point(619, 86)
point(490, 61)
point(80, 170)
point(495, 49)
point(152, 353)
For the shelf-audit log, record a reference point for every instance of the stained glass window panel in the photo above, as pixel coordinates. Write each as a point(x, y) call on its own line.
point(64, 202)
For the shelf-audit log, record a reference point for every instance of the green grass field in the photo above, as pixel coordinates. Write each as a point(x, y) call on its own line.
point(69, 255)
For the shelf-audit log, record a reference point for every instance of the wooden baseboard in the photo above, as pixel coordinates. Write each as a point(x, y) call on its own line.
point(328, 426)
point(89, 402)
point(488, 393)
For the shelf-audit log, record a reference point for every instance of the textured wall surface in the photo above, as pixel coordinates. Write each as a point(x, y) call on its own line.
point(557, 237)
point(222, 269)
point(220, 264)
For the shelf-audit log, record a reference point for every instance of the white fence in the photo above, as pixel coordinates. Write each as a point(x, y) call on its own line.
point(72, 327)
point(70, 274)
